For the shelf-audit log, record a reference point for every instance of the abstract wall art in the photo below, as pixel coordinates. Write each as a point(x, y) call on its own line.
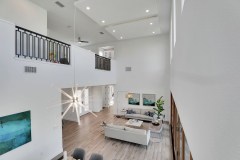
point(134, 98)
point(149, 99)
point(15, 131)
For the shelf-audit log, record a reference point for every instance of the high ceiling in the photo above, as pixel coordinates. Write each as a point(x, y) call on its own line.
point(117, 19)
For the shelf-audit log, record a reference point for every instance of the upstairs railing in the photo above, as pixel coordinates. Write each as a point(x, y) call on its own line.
point(33, 45)
point(102, 63)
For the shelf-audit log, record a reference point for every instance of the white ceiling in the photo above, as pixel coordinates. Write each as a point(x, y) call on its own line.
point(117, 11)
point(135, 29)
point(127, 17)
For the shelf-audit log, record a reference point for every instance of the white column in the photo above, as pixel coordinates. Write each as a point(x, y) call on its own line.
point(97, 98)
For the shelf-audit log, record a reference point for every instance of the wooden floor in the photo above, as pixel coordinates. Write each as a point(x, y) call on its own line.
point(90, 136)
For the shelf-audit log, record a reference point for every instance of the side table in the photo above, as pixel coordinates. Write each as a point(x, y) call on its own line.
point(122, 114)
point(156, 130)
point(123, 111)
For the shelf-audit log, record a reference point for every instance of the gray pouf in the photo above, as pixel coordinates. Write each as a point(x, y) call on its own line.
point(96, 156)
point(78, 153)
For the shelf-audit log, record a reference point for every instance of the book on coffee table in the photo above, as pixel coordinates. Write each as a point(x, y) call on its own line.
point(134, 123)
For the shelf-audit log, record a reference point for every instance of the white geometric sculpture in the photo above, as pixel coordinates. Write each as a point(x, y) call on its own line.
point(75, 102)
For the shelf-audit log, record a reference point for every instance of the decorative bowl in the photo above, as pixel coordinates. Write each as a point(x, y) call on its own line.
point(155, 123)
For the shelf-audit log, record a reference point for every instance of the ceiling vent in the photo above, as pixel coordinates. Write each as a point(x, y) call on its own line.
point(29, 69)
point(59, 4)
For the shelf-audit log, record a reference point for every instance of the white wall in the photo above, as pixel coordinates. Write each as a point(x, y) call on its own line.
point(97, 98)
point(86, 74)
point(149, 59)
point(39, 92)
point(21, 91)
point(24, 13)
point(205, 77)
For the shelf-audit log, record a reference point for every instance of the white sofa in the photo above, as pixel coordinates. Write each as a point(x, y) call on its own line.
point(139, 117)
point(139, 136)
point(139, 114)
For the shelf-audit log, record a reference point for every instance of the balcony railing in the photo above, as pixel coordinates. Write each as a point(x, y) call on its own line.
point(33, 45)
point(102, 63)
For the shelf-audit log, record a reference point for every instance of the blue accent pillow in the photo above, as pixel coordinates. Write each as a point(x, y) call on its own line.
point(151, 114)
point(146, 114)
point(130, 111)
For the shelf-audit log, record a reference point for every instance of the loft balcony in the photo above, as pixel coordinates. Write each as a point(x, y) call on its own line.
point(33, 45)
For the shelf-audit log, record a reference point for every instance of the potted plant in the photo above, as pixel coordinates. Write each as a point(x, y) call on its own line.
point(159, 107)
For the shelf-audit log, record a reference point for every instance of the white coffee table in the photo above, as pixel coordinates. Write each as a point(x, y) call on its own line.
point(134, 123)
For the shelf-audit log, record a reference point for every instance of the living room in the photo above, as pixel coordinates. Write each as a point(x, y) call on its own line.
point(200, 40)
point(147, 56)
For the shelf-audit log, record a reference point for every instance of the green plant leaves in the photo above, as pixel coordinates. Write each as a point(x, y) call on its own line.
point(159, 106)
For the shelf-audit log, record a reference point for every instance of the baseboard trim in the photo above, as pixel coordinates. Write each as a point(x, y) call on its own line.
point(58, 157)
point(174, 158)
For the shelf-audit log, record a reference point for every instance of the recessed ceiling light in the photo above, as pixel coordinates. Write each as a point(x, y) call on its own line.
point(88, 8)
point(103, 21)
point(121, 37)
point(151, 23)
point(153, 32)
point(114, 31)
point(147, 11)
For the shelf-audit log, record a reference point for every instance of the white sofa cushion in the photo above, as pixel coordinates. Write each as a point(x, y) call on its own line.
point(138, 116)
point(138, 111)
point(115, 126)
point(134, 130)
point(134, 136)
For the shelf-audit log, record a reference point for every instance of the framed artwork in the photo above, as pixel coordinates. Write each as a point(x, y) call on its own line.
point(133, 98)
point(15, 131)
point(149, 99)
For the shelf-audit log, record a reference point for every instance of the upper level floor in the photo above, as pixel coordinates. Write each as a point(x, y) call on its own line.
point(67, 63)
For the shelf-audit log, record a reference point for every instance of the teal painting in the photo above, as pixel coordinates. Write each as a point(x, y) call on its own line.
point(15, 131)
point(134, 99)
point(148, 99)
